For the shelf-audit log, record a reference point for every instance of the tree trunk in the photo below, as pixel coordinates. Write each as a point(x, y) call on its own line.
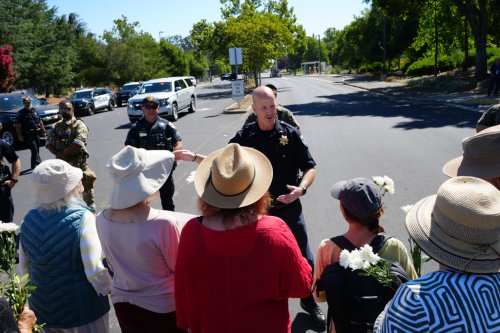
point(477, 18)
point(465, 64)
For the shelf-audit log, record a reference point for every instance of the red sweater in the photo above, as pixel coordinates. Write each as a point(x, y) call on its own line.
point(239, 280)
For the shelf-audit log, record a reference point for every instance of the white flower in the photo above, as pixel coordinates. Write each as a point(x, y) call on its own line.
point(345, 258)
point(367, 255)
point(190, 178)
point(8, 227)
point(356, 263)
point(378, 180)
point(406, 208)
point(389, 185)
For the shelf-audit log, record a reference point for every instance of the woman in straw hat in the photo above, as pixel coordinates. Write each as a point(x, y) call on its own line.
point(140, 243)
point(362, 208)
point(460, 229)
point(60, 250)
point(237, 267)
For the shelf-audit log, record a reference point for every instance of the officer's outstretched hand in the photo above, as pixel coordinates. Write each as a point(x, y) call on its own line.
point(295, 193)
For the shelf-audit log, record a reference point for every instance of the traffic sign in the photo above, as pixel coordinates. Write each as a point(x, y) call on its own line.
point(238, 90)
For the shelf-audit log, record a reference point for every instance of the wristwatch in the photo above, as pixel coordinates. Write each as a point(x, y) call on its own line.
point(304, 190)
point(14, 180)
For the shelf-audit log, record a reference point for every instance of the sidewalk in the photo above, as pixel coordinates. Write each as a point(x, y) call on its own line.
point(469, 100)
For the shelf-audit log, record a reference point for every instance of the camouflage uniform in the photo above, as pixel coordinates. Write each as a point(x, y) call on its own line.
point(62, 136)
point(283, 114)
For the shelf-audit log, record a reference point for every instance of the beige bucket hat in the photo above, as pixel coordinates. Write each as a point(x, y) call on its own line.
point(481, 156)
point(459, 226)
point(233, 177)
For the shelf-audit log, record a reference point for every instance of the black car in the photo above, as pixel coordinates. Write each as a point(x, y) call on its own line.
point(128, 90)
point(11, 103)
point(87, 101)
point(228, 76)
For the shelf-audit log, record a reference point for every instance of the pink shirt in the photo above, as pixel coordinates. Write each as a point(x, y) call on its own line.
point(142, 256)
point(239, 280)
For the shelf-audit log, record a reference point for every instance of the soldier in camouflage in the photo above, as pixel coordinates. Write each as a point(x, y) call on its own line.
point(67, 140)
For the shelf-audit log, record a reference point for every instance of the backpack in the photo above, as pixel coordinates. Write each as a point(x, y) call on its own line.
point(354, 300)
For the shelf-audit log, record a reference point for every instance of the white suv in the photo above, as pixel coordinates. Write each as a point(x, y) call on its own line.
point(176, 94)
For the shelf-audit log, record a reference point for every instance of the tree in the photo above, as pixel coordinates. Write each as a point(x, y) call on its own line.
point(476, 13)
point(7, 73)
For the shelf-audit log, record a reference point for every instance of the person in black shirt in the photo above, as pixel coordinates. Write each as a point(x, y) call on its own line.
point(28, 124)
point(152, 132)
point(293, 172)
point(8, 179)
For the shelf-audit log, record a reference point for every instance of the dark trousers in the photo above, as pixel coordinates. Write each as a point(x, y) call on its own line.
point(33, 142)
point(134, 319)
point(495, 81)
point(293, 217)
point(6, 204)
point(167, 194)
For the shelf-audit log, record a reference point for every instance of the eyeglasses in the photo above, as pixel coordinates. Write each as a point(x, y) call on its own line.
point(65, 109)
point(150, 106)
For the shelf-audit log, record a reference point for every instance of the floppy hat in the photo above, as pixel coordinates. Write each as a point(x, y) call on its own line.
point(136, 174)
point(481, 156)
point(53, 179)
point(360, 196)
point(233, 177)
point(459, 226)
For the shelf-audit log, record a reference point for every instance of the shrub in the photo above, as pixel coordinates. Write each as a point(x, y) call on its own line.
point(425, 66)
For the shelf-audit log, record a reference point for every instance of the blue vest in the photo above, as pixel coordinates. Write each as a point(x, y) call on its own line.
point(63, 298)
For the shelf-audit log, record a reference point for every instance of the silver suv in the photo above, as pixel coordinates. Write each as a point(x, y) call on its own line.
point(176, 94)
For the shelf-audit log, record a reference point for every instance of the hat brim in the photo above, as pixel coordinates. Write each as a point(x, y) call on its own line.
point(260, 185)
point(486, 168)
point(134, 190)
point(445, 249)
point(47, 194)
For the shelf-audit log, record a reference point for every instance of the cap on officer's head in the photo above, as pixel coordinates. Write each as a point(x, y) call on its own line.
point(26, 99)
point(150, 100)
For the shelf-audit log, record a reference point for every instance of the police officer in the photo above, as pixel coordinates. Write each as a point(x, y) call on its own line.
point(8, 179)
point(28, 125)
point(285, 148)
point(67, 140)
point(282, 112)
point(152, 132)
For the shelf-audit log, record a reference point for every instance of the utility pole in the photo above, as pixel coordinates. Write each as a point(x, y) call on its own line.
point(319, 52)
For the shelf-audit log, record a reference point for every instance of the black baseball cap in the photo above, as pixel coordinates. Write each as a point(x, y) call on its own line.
point(150, 100)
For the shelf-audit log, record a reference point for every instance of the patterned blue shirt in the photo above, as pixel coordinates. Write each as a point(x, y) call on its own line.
point(444, 301)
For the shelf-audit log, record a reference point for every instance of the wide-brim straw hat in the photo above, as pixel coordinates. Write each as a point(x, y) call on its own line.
point(137, 174)
point(481, 156)
point(53, 179)
point(459, 227)
point(233, 177)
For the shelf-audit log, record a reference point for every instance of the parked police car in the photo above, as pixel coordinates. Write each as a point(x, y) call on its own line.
point(176, 94)
point(87, 101)
point(11, 103)
point(128, 90)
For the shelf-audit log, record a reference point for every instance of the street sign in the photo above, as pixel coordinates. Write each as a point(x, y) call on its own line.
point(235, 56)
point(238, 90)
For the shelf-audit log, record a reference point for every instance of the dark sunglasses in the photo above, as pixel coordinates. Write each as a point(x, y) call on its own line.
point(150, 106)
point(65, 109)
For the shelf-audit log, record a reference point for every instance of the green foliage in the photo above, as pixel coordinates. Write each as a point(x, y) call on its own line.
point(372, 67)
point(426, 66)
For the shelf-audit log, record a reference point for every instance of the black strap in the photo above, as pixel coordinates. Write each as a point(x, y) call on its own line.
point(376, 243)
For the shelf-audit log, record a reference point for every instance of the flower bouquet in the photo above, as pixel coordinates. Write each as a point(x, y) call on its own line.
point(16, 289)
point(370, 264)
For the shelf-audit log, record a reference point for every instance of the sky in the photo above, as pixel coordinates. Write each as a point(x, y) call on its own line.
point(168, 18)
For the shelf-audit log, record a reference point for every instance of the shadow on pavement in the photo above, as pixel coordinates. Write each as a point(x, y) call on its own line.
point(421, 114)
point(303, 323)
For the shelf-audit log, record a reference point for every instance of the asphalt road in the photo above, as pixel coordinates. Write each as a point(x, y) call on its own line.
point(351, 133)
